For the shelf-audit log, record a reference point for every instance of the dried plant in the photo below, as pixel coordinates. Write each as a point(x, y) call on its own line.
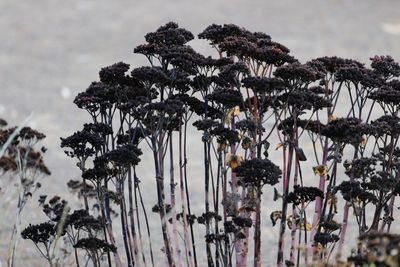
point(332, 118)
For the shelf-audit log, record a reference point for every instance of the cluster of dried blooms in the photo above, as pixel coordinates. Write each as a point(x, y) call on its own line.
point(23, 163)
point(248, 97)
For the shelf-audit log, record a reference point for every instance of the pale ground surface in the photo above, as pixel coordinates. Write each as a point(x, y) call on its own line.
point(50, 50)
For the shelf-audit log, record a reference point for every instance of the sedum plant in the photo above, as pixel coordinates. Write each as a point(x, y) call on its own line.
point(321, 135)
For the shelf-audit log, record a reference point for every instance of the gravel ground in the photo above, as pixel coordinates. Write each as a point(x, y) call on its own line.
point(50, 50)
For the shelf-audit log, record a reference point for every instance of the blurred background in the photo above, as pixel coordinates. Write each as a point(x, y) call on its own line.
point(50, 50)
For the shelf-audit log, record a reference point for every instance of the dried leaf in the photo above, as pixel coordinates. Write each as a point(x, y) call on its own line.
point(321, 170)
point(307, 228)
point(236, 111)
point(275, 216)
point(276, 194)
point(233, 112)
point(300, 154)
point(233, 161)
point(363, 142)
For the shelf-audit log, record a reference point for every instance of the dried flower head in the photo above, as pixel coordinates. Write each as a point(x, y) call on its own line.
point(82, 144)
point(170, 35)
point(257, 172)
point(303, 99)
point(360, 168)
point(39, 233)
point(225, 135)
point(228, 98)
point(353, 192)
point(385, 66)
point(298, 73)
point(217, 33)
point(263, 84)
point(115, 74)
point(333, 64)
point(95, 244)
point(325, 238)
point(387, 94)
point(80, 219)
point(304, 194)
point(345, 130)
point(151, 76)
point(122, 156)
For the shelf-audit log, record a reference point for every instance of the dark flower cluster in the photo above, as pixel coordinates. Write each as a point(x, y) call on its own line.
point(115, 74)
point(360, 168)
point(356, 73)
point(210, 238)
point(304, 194)
point(160, 43)
point(170, 35)
point(386, 94)
point(382, 182)
point(385, 66)
point(242, 221)
point(156, 208)
point(21, 153)
point(333, 64)
point(95, 244)
point(303, 99)
point(82, 144)
point(98, 96)
point(329, 226)
point(300, 74)
point(229, 75)
point(8, 164)
point(242, 43)
point(247, 125)
point(217, 33)
point(99, 172)
point(325, 238)
point(39, 233)
point(258, 172)
point(228, 98)
point(82, 188)
point(32, 159)
point(150, 76)
point(205, 124)
point(314, 126)
point(199, 107)
point(319, 90)
point(262, 85)
point(122, 156)
point(273, 53)
point(353, 191)
point(225, 135)
point(165, 114)
point(238, 46)
point(81, 219)
point(213, 63)
point(208, 216)
point(28, 133)
point(55, 208)
point(287, 125)
point(345, 130)
point(99, 128)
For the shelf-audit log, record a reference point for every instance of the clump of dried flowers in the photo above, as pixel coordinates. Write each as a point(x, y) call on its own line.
point(252, 96)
